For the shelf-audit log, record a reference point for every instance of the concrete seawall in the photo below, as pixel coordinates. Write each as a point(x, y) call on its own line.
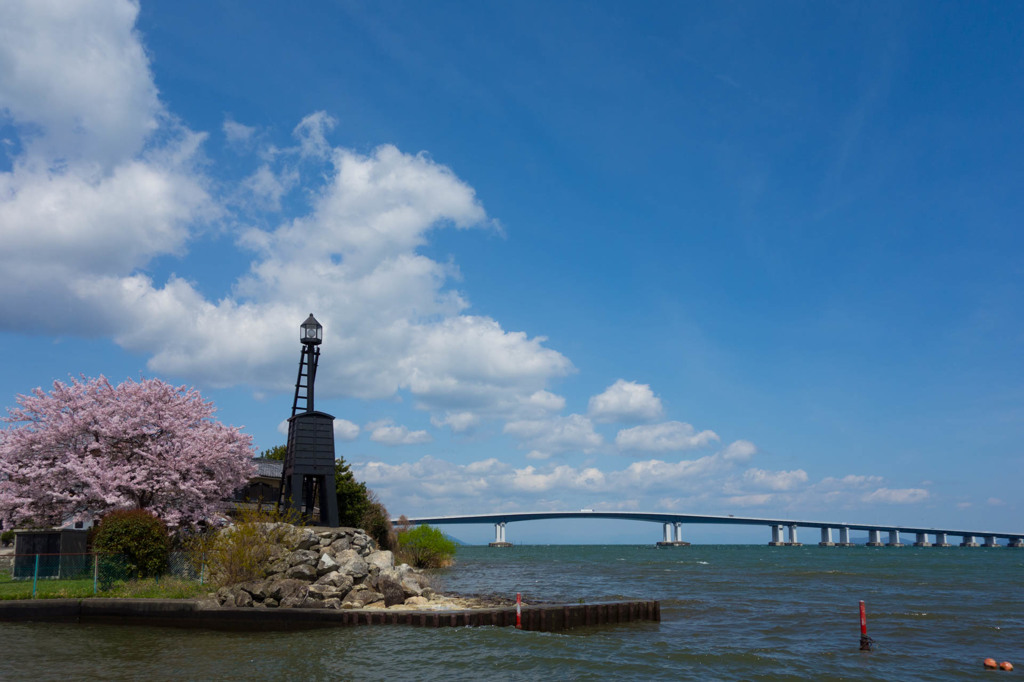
point(190, 614)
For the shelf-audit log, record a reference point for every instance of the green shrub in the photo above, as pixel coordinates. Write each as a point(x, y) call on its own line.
point(7, 537)
point(138, 537)
point(377, 524)
point(245, 550)
point(425, 547)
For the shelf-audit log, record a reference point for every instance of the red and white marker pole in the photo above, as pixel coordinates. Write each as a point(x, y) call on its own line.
point(519, 611)
point(865, 641)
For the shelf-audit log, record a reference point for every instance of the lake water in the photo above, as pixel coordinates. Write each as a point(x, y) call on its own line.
point(728, 612)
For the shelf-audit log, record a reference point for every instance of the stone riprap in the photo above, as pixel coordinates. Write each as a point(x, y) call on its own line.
point(336, 568)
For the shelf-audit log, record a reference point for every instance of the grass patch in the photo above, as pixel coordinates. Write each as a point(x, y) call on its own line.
point(157, 588)
point(46, 589)
point(148, 588)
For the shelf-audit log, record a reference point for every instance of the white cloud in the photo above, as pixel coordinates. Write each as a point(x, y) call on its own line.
point(625, 401)
point(897, 496)
point(739, 451)
point(237, 133)
point(556, 434)
point(345, 431)
point(774, 480)
point(851, 481)
point(75, 79)
point(995, 502)
point(753, 500)
point(388, 434)
point(312, 134)
point(264, 188)
point(459, 422)
point(104, 181)
point(664, 437)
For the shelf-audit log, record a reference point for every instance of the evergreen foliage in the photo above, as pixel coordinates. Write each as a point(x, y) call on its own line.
point(137, 537)
point(277, 453)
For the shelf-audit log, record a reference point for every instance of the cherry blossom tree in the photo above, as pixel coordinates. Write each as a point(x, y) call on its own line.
point(88, 447)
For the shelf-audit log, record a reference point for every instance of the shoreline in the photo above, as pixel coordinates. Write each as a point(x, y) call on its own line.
point(198, 613)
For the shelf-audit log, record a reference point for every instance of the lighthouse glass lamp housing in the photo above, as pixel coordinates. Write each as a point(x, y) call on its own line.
point(312, 332)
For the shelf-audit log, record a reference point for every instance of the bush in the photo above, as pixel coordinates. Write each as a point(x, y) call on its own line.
point(139, 537)
point(6, 538)
point(377, 524)
point(243, 551)
point(425, 547)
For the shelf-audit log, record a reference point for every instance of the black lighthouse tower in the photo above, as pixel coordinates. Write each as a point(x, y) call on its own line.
point(308, 477)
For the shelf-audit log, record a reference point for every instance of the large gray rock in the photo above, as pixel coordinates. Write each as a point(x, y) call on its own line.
point(280, 566)
point(256, 588)
point(302, 572)
point(382, 559)
point(324, 592)
point(336, 579)
point(307, 539)
point(326, 565)
point(304, 556)
point(282, 589)
point(391, 589)
point(351, 563)
point(364, 595)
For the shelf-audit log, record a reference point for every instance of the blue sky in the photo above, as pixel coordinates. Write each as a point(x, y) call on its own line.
point(714, 258)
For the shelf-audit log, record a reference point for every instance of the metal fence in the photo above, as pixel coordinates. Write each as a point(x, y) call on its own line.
point(83, 572)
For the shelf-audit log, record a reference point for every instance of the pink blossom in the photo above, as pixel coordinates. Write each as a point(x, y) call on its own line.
point(88, 447)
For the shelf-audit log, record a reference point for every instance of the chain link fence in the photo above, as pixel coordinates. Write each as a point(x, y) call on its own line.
point(33, 576)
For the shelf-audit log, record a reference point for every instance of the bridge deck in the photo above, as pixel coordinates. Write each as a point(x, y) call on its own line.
point(663, 517)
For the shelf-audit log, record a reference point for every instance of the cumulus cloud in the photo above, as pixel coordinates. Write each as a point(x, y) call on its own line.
point(458, 422)
point(774, 480)
point(75, 80)
point(625, 401)
point(896, 496)
point(664, 437)
point(739, 451)
point(751, 500)
point(345, 431)
point(387, 433)
point(104, 181)
point(557, 434)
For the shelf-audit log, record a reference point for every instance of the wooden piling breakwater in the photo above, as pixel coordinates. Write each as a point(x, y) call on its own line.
point(191, 614)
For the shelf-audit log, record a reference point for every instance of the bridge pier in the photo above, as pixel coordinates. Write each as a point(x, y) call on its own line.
point(1015, 542)
point(826, 538)
point(921, 540)
point(990, 541)
point(499, 536)
point(874, 538)
point(942, 540)
point(776, 536)
point(968, 541)
point(792, 537)
point(844, 537)
point(894, 539)
point(678, 541)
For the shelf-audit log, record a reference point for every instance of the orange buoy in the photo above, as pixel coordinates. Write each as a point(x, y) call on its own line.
point(1006, 665)
point(991, 663)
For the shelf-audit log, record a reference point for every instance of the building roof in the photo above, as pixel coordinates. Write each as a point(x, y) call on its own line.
point(268, 468)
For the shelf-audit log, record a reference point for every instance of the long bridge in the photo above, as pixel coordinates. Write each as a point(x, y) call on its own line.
point(673, 528)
